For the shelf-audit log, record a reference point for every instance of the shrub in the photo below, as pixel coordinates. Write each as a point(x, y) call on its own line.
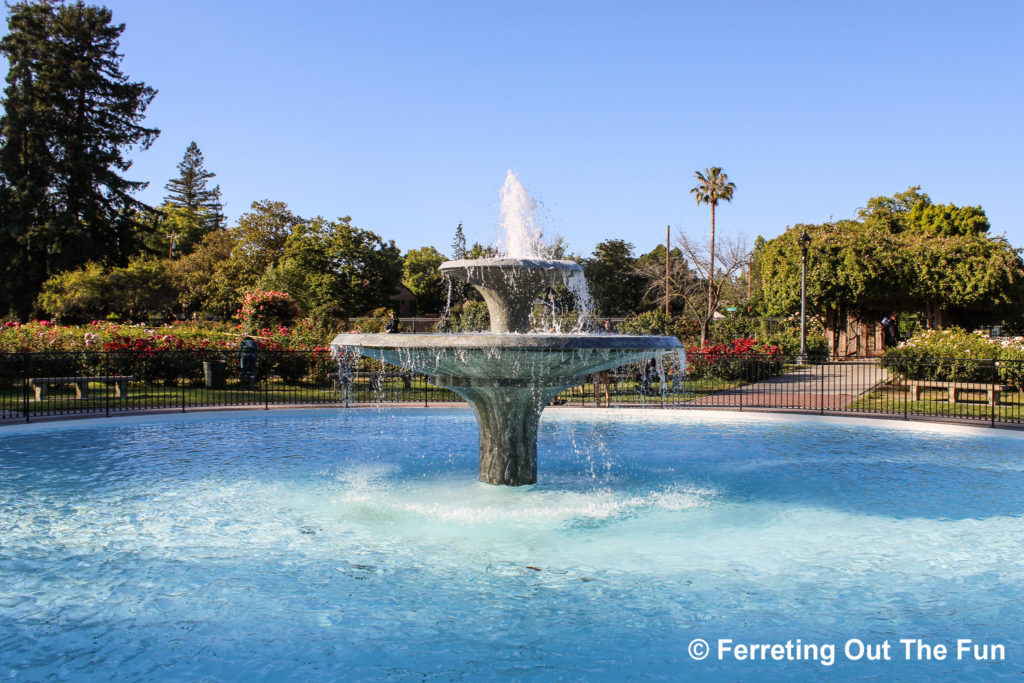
point(741, 359)
point(472, 316)
point(375, 322)
point(949, 355)
point(267, 309)
point(1011, 363)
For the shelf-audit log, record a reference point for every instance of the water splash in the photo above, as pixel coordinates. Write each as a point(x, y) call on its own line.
point(523, 237)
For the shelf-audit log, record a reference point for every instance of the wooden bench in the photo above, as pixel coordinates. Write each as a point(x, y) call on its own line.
point(41, 384)
point(954, 388)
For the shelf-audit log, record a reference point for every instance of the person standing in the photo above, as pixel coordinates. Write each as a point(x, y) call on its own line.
point(601, 379)
point(248, 350)
point(391, 327)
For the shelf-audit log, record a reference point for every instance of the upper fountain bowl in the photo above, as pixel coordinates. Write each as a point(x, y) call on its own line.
point(510, 286)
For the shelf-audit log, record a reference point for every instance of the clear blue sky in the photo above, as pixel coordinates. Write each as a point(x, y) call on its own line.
point(406, 115)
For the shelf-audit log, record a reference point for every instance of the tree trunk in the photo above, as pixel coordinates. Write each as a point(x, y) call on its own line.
point(711, 280)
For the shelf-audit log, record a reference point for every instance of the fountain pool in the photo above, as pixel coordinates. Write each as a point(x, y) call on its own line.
point(357, 545)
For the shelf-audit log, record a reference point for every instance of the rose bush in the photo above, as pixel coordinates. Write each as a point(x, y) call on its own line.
point(741, 359)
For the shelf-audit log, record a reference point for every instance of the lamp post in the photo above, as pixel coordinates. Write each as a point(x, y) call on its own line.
point(804, 241)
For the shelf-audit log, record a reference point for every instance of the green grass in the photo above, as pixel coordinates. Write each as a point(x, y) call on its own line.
point(935, 402)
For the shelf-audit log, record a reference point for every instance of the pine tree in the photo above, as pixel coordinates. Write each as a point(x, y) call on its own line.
point(459, 244)
point(189, 190)
point(70, 115)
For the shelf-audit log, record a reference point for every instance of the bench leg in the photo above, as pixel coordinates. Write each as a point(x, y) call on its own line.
point(40, 391)
point(993, 397)
point(121, 388)
point(952, 395)
point(81, 389)
point(915, 392)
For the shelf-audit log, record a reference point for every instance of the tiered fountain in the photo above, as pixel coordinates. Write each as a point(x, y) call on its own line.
point(508, 376)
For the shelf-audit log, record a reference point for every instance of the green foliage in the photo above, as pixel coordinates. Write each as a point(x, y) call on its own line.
point(652, 323)
point(70, 115)
point(783, 333)
point(180, 230)
point(375, 322)
point(259, 241)
point(903, 250)
point(189, 192)
point(616, 287)
point(471, 316)
point(948, 220)
point(1011, 364)
point(421, 276)
point(459, 250)
point(335, 269)
point(203, 280)
point(949, 355)
point(713, 186)
point(141, 291)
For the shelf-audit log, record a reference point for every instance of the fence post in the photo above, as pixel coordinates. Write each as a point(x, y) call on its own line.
point(182, 380)
point(906, 390)
point(740, 392)
point(995, 394)
point(26, 372)
point(106, 373)
point(821, 386)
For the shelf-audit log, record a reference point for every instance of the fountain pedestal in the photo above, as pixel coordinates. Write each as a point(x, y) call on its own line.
point(507, 414)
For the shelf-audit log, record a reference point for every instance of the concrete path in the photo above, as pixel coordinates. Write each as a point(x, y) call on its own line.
point(812, 387)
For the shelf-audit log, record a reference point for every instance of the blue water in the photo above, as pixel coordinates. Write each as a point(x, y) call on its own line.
point(358, 545)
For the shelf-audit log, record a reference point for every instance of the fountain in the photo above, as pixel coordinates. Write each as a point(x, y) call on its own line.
point(508, 376)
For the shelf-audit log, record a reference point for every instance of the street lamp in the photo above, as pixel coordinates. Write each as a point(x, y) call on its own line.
point(804, 241)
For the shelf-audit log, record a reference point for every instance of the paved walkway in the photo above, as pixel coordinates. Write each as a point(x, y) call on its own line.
point(814, 387)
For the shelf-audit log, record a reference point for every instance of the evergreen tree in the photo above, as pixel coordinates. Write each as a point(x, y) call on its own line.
point(70, 115)
point(189, 191)
point(459, 244)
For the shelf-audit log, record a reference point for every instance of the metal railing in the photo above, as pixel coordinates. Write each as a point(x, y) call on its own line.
point(39, 385)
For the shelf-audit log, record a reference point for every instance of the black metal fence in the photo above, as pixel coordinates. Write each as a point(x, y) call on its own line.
point(39, 385)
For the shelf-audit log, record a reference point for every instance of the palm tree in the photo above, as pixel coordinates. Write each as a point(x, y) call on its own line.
point(713, 187)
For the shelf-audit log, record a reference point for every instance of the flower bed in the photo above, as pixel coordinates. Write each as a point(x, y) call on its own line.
point(743, 359)
point(70, 350)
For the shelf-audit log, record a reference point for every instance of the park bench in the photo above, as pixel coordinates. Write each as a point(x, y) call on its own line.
point(954, 388)
point(377, 379)
point(41, 384)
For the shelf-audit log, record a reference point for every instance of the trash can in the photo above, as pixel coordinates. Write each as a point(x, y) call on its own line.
point(216, 373)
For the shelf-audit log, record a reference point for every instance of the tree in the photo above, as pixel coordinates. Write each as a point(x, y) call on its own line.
point(204, 279)
point(702, 293)
point(70, 115)
point(335, 270)
point(713, 186)
point(459, 244)
point(651, 267)
point(421, 276)
point(189, 191)
point(179, 230)
point(139, 291)
point(611, 275)
point(903, 254)
point(260, 239)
